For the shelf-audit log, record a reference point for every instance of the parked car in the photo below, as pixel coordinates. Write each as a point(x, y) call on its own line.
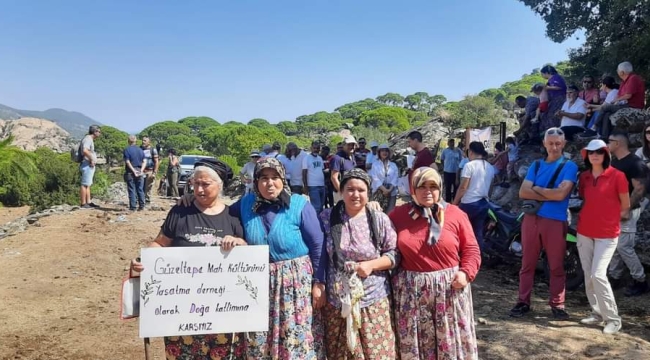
point(187, 166)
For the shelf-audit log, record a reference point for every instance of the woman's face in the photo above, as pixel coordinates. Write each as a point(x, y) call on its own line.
point(355, 194)
point(428, 194)
point(383, 154)
point(206, 189)
point(647, 133)
point(546, 76)
point(270, 184)
point(596, 157)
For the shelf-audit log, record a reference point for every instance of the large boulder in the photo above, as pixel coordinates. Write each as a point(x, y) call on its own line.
point(432, 132)
point(629, 119)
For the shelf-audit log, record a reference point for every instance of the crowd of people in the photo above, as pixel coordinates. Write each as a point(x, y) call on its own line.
point(372, 280)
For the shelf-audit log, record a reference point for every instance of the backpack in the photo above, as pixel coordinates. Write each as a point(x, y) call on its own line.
point(76, 155)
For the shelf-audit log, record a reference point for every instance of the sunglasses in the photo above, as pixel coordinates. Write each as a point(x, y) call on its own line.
point(647, 132)
point(555, 131)
point(599, 152)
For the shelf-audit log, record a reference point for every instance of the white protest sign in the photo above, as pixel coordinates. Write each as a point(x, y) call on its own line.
point(202, 290)
point(481, 135)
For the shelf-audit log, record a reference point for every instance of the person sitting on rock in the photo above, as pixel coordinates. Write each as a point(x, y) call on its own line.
point(590, 94)
point(630, 94)
point(610, 87)
point(572, 113)
point(528, 124)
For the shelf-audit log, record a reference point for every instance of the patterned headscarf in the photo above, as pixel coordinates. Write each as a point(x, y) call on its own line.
point(284, 199)
point(435, 215)
point(355, 173)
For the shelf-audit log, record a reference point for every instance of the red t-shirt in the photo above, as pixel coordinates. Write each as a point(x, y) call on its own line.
point(423, 158)
point(600, 216)
point(457, 245)
point(635, 86)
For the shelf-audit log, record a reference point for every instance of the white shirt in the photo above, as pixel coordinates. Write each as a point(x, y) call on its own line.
point(370, 159)
point(248, 172)
point(577, 107)
point(314, 166)
point(384, 174)
point(294, 169)
point(480, 174)
point(286, 163)
point(611, 96)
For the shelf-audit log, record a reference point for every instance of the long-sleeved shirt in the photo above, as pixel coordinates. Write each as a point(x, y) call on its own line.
point(309, 228)
point(457, 245)
point(382, 173)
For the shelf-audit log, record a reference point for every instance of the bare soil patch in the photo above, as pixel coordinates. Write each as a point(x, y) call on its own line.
point(8, 214)
point(60, 282)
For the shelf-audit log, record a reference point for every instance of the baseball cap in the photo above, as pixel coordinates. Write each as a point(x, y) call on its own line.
point(349, 140)
point(373, 144)
point(255, 153)
point(593, 145)
point(266, 148)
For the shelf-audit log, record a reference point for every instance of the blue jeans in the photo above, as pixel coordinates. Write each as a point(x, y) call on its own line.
point(134, 186)
point(477, 212)
point(317, 197)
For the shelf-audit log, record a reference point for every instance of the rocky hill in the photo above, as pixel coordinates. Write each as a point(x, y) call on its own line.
point(31, 133)
point(75, 123)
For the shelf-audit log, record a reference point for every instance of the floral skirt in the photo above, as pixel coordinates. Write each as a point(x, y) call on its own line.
point(434, 321)
point(375, 341)
point(295, 331)
point(206, 347)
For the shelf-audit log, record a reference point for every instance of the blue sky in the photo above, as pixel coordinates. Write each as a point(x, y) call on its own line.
point(132, 63)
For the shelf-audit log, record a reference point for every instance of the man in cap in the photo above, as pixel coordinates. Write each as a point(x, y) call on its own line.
point(266, 149)
point(361, 153)
point(247, 172)
point(372, 155)
point(341, 162)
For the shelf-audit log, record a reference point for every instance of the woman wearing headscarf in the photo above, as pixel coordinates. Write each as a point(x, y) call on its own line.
point(606, 201)
point(475, 182)
point(556, 89)
point(439, 258)
point(286, 223)
point(384, 174)
point(196, 225)
point(361, 244)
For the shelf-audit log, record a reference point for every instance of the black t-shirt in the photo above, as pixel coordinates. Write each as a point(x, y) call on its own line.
point(188, 226)
point(632, 167)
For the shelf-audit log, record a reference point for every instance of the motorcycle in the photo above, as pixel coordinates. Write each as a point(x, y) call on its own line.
point(502, 238)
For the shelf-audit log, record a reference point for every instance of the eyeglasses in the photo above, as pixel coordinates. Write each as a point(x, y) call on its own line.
point(647, 132)
point(555, 131)
point(599, 152)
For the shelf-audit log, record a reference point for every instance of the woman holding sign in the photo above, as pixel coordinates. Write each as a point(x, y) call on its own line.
point(362, 247)
point(205, 222)
point(289, 226)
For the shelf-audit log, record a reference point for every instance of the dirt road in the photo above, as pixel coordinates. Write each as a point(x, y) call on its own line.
point(60, 281)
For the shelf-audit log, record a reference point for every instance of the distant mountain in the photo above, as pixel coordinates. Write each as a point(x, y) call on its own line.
point(71, 121)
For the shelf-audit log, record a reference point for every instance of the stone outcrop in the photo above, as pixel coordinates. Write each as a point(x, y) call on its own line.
point(32, 133)
point(631, 120)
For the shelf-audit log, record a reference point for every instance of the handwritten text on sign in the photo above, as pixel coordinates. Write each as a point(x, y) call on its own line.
point(204, 290)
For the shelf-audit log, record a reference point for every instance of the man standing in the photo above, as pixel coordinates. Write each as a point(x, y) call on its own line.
point(313, 177)
point(372, 155)
point(151, 166)
point(327, 157)
point(423, 156)
point(87, 166)
point(341, 162)
point(247, 171)
point(294, 168)
point(625, 255)
point(133, 174)
point(360, 154)
point(450, 159)
point(547, 228)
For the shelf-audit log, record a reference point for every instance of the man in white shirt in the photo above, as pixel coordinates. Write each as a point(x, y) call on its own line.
point(247, 172)
point(293, 167)
point(313, 178)
point(572, 113)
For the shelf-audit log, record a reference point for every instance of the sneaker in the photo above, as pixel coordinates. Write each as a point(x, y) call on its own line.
point(141, 208)
point(612, 327)
point(86, 206)
point(636, 289)
point(93, 205)
point(588, 134)
point(592, 320)
point(519, 310)
point(560, 314)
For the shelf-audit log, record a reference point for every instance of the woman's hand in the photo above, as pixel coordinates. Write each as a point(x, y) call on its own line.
point(136, 267)
point(460, 280)
point(318, 295)
point(185, 200)
point(363, 269)
point(229, 242)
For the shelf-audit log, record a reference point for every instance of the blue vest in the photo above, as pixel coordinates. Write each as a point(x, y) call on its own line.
point(284, 238)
